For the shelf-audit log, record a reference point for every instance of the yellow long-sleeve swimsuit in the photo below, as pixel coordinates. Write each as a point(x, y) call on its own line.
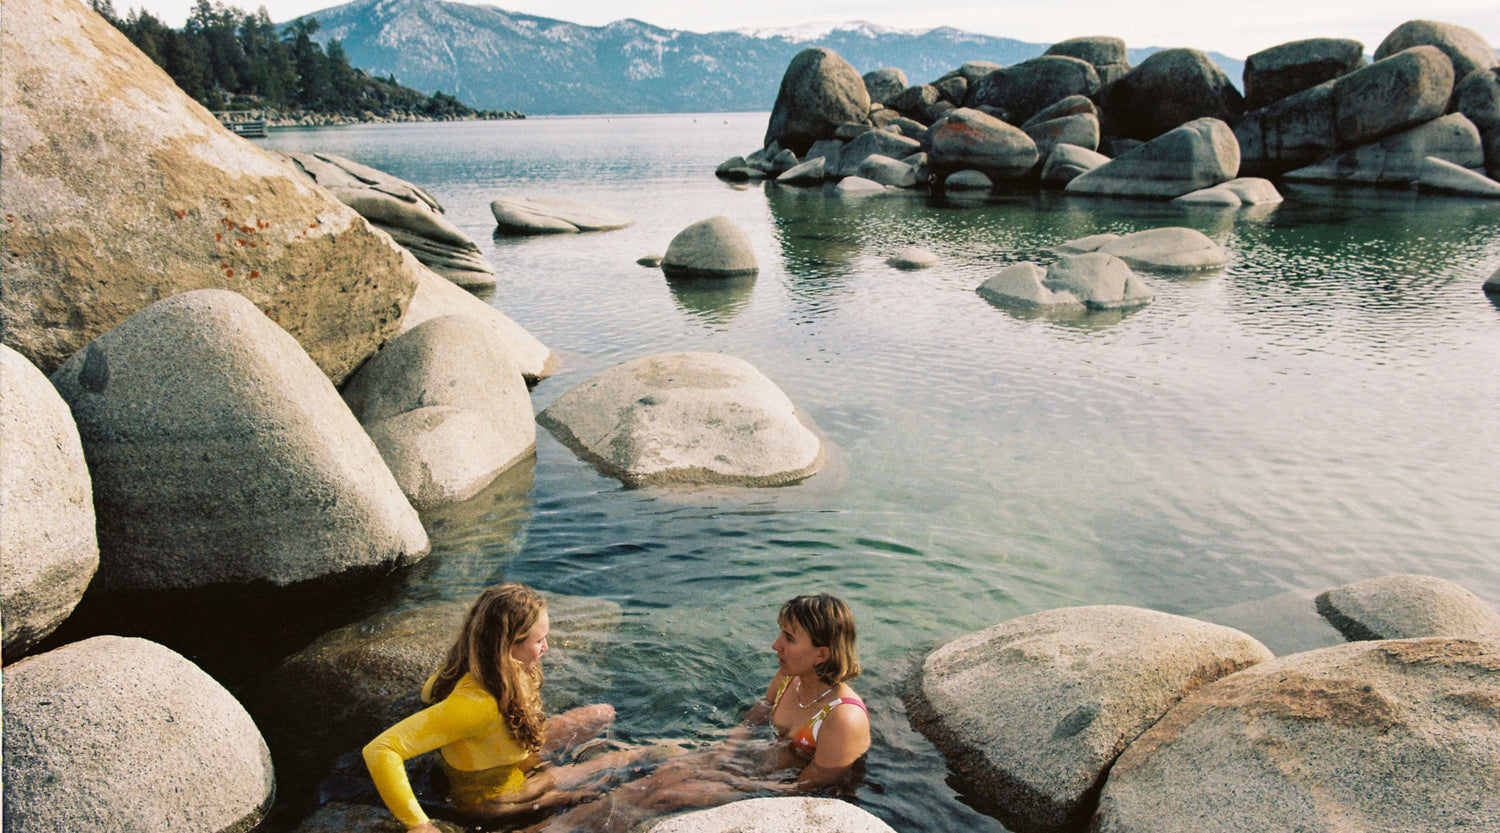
point(478, 751)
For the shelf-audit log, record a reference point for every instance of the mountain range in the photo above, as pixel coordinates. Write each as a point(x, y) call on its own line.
point(493, 59)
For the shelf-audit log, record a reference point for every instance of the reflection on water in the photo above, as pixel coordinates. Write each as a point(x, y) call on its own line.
point(1321, 411)
point(712, 301)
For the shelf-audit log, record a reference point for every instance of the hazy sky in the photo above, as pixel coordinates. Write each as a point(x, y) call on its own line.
point(1236, 28)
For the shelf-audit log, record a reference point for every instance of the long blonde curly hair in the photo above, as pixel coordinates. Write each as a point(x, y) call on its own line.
point(502, 615)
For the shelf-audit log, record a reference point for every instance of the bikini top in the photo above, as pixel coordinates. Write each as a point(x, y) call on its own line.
point(805, 740)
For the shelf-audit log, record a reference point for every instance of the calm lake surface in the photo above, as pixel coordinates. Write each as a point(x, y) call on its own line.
point(1325, 410)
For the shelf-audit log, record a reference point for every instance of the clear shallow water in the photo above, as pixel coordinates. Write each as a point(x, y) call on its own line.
point(1324, 410)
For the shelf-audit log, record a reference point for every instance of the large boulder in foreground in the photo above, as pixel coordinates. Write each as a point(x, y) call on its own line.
point(1032, 712)
point(120, 190)
point(1167, 89)
point(712, 248)
point(1199, 154)
point(446, 407)
point(1397, 735)
point(1466, 48)
point(220, 454)
point(1407, 607)
point(968, 140)
point(819, 92)
point(48, 550)
point(545, 215)
point(698, 418)
point(789, 814)
point(410, 215)
point(122, 734)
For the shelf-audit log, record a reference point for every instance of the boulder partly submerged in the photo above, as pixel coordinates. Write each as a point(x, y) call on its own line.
point(221, 455)
point(543, 215)
point(1407, 607)
point(436, 297)
point(48, 548)
point(1393, 735)
point(712, 248)
point(1092, 280)
point(819, 92)
point(686, 418)
point(1171, 250)
point(789, 814)
point(447, 408)
point(1032, 712)
point(115, 733)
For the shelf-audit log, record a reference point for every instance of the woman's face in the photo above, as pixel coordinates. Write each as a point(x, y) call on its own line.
point(795, 653)
point(528, 649)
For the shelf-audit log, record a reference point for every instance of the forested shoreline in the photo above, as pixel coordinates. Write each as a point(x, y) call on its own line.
point(230, 60)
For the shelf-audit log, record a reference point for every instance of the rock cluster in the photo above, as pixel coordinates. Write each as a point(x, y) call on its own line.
point(1121, 719)
point(1425, 114)
point(404, 211)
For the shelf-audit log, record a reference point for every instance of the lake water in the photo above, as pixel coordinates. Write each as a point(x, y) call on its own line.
point(1326, 409)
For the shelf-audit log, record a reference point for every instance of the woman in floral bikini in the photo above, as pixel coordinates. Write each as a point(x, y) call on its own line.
point(821, 728)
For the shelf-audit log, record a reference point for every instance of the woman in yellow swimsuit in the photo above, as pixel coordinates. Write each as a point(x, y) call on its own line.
point(487, 720)
point(821, 728)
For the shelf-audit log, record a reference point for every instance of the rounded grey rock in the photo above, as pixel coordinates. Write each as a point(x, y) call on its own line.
point(48, 548)
point(220, 454)
point(967, 139)
point(1196, 155)
point(884, 84)
point(1275, 73)
point(1399, 91)
point(819, 92)
point(1170, 250)
point(122, 734)
point(789, 814)
point(1032, 712)
point(1394, 735)
point(1170, 88)
point(1406, 607)
point(715, 247)
point(912, 257)
point(438, 297)
point(697, 418)
point(1466, 48)
point(543, 215)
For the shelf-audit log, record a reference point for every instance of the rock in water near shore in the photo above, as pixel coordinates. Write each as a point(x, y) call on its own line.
point(1027, 88)
point(819, 92)
point(1477, 96)
point(1397, 735)
point(1199, 154)
point(122, 734)
point(120, 190)
point(712, 248)
point(541, 215)
point(1400, 91)
point(1407, 607)
point(48, 550)
point(1032, 712)
point(911, 258)
point(221, 455)
point(446, 407)
point(1170, 250)
point(1093, 280)
point(435, 297)
point(1399, 159)
point(404, 211)
point(792, 814)
point(686, 418)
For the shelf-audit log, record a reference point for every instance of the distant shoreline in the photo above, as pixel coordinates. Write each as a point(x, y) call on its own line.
point(305, 118)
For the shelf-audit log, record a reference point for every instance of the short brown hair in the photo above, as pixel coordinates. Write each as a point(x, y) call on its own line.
point(829, 623)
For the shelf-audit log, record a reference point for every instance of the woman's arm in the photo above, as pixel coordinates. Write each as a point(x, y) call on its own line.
point(843, 738)
point(435, 726)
